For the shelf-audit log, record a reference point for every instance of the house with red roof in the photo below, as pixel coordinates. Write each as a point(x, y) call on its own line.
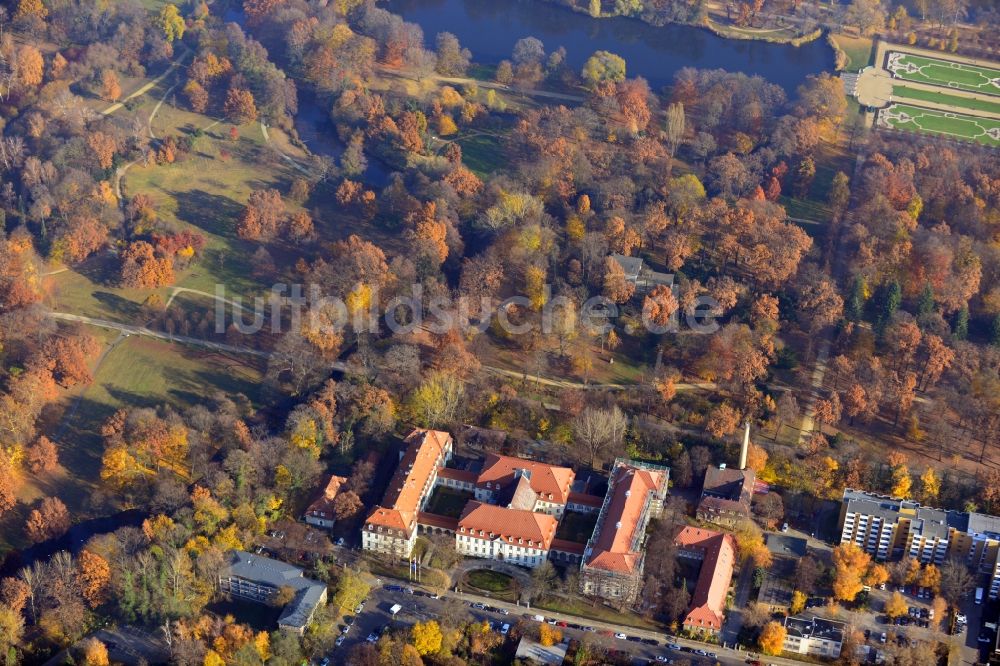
point(320, 512)
point(613, 557)
point(716, 551)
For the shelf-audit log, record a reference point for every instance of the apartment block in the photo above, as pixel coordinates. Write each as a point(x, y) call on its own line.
point(889, 528)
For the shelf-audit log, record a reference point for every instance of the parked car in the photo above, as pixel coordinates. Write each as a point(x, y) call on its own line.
point(881, 639)
point(479, 606)
point(620, 636)
point(701, 653)
point(784, 527)
point(503, 611)
point(650, 641)
point(340, 541)
point(325, 661)
point(561, 623)
point(674, 646)
point(589, 629)
point(393, 588)
point(360, 608)
point(372, 637)
point(505, 628)
point(340, 640)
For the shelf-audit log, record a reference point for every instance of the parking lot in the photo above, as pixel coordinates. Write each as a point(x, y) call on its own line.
point(375, 617)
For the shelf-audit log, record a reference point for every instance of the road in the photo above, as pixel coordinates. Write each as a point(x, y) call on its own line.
point(418, 608)
point(159, 335)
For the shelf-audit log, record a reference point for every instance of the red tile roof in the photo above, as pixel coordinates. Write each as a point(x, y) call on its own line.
point(567, 546)
point(718, 552)
point(585, 499)
point(436, 520)
point(457, 474)
point(424, 454)
point(550, 482)
point(322, 507)
point(630, 489)
point(496, 522)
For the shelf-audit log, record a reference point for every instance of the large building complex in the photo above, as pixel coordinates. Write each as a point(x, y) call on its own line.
point(613, 558)
point(716, 551)
point(890, 528)
point(260, 579)
point(391, 527)
point(517, 536)
point(534, 485)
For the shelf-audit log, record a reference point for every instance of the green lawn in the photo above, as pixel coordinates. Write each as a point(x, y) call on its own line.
point(953, 125)
point(575, 526)
point(483, 154)
point(857, 49)
point(946, 73)
point(493, 582)
point(448, 501)
point(973, 104)
point(596, 611)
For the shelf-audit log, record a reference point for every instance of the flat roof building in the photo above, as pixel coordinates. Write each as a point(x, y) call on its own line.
point(814, 636)
point(260, 579)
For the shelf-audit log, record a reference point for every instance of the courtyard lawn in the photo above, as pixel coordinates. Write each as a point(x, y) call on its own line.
point(489, 581)
point(945, 73)
point(448, 501)
point(973, 104)
point(940, 123)
point(492, 584)
point(576, 526)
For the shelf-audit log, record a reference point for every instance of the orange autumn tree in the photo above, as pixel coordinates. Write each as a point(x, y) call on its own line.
point(141, 268)
point(94, 574)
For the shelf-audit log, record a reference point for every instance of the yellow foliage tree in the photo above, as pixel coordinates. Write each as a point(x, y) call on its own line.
point(850, 564)
point(426, 637)
point(798, 602)
point(896, 606)
point(172, 24)
point(95, 653)
point(901, 481)
point(31, 8)
point(877, 574)
point(772, 638)
point(930, 487)
point(931, 577)
point(549, 635)
point(534, 284)
point(446, 125)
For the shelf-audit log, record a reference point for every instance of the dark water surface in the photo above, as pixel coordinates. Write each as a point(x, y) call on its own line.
point(489, 29)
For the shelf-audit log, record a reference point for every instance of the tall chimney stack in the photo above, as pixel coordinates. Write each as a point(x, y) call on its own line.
point(746, 444)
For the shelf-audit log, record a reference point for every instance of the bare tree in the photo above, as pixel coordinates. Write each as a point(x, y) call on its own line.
point(598, 430)
point(956, 581)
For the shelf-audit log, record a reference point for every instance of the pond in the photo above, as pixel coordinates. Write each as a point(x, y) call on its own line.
point(489, 29)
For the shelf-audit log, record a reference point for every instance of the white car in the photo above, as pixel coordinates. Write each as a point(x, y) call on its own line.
point(503, 611)
point(504, 629)
point(360, 608)
point(340, 640)
point(620, 636)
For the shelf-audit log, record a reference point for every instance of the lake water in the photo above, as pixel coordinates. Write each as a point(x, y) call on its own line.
point(489, 29)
